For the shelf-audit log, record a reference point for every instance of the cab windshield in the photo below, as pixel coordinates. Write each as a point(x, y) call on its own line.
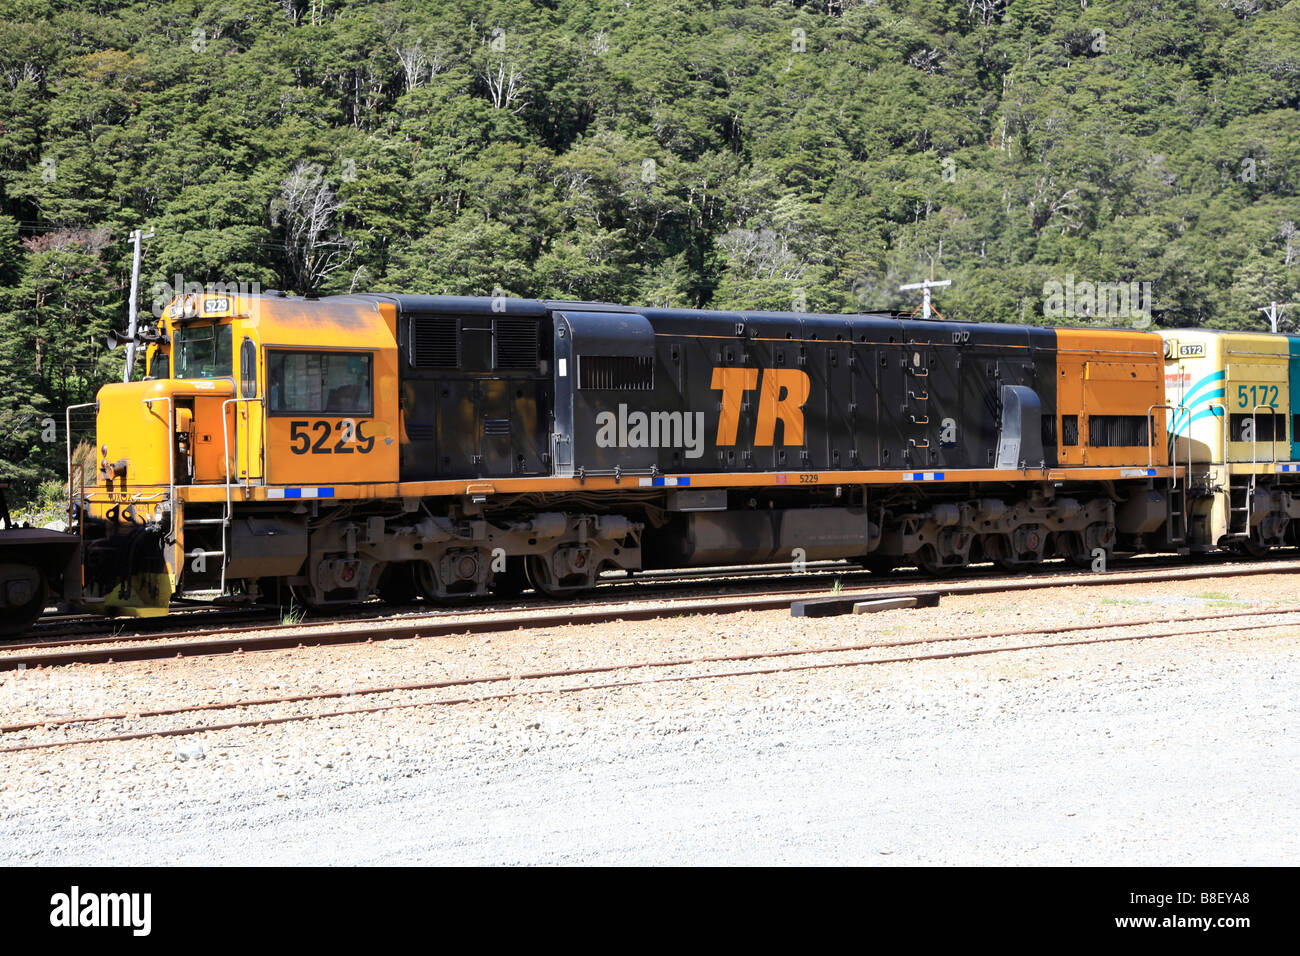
point(203, 351)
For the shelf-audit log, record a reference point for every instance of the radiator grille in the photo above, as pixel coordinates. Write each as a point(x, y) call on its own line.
point(1266, 427)
point(516, 344)
point(626, 373)
point(435, 341)
point(1069, 430)
point(1116, 431)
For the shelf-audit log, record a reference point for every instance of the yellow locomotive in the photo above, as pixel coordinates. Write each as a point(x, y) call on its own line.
point(1230, 395)
point(248, 400)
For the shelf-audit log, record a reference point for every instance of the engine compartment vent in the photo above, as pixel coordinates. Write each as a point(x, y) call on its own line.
point(516, 344)
point(1117, 431)
point(435, 341)
point(625, 373)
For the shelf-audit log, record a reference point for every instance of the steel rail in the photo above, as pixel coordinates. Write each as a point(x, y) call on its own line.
point(259, 640)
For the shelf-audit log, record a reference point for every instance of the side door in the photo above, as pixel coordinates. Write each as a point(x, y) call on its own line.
point(1257, 402)
point(249, 414)
point(322, 421)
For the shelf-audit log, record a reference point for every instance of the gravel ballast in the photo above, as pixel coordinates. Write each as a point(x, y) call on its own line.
point(1177, 751)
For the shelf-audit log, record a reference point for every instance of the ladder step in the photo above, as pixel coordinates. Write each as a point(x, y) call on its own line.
point(190, 521)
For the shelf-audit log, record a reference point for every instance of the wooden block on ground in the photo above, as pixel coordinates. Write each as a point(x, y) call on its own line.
point(835, 606)
point(822, 607)
point(893, 603)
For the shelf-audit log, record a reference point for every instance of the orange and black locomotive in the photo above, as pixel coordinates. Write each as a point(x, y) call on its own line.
point(332, 449)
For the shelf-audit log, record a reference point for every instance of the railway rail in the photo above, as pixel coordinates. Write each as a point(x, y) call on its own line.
point(1216, 624)
point(487, 621)
point(663, 584)
point(65, 625)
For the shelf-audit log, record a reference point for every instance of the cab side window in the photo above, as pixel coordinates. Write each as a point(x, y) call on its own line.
point(333, 383)
point(248, 369)
point(159, 367)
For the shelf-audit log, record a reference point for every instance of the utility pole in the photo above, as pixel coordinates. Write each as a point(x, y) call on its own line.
point(1274, 314)
point(925, 287)
point(136, 237)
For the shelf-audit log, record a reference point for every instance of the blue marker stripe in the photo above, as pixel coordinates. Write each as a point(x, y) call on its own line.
point(1187, 409)
point(1205, 380)
point(293, 492)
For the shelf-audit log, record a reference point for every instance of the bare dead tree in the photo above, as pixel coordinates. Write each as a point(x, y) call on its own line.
point(762, 253)
point(985, 11)
point(1287, 232)
point(504, 75)
point(505, 83)
point(414, 62)
point(307, 207)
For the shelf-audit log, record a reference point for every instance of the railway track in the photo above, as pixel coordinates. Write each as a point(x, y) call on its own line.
point(53, 627)
point(972, 583)
point(492, 620)
point(75, 627)
point(713, 668)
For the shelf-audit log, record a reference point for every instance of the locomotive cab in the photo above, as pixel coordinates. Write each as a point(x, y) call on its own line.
point(241, 393)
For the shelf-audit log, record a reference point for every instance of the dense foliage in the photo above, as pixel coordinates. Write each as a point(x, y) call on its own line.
point(728, 153)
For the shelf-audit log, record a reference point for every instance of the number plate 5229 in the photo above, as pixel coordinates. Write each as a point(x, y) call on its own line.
point(342, 437)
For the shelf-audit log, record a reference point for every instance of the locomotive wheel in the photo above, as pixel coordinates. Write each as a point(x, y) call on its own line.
point(542, 577)
point(928, 560)
point(1072, 550)
point(426, 578)
point(397, 583)
point(998, 550)
point(303, 598)
point(15, 620)
point(1250, 548)
point(511, 582)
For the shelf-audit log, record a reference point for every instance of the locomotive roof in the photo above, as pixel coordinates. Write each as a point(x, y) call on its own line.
point(508, 305)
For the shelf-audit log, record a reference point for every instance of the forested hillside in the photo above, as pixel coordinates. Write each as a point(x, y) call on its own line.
point(727, 154)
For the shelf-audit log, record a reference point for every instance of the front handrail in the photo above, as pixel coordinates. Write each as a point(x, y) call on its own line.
point(67, 426)
point(1254, 438)
point(230, 505)
point(1172, 438)
point(1225, 428)
point(171, 453)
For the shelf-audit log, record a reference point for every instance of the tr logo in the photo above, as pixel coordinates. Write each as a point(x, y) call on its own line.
point(781, 396)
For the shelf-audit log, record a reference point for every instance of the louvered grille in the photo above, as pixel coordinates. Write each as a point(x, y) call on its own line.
point(435, 341)
point(1266, 427)
point(1117, 431)
point(516, 343)
point(1069, 430)
point(626, 373)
